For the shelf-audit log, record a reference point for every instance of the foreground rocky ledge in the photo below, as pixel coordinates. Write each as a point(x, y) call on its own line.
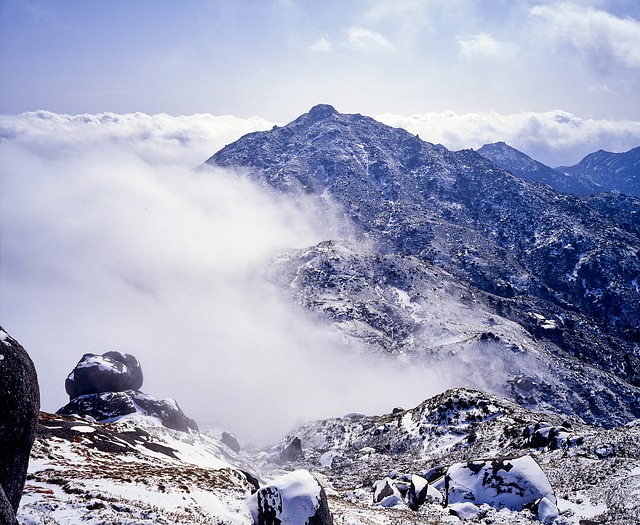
point(133, 472)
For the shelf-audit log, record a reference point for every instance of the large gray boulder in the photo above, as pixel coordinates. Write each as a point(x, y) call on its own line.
point(19, 408)
point(109, 372)
point(293, 499)
point(513, 483)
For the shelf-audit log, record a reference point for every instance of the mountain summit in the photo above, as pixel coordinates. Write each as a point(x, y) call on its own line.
point(525, 167)
point(560, 267)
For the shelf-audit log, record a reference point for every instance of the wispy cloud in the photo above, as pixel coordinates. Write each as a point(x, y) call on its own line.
point(355, 39)
point(322, 45)
point(363, 39)
point(603, 39)
point(485, 45)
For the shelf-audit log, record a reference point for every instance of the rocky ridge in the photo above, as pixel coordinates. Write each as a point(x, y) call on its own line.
point(606, 171)
point(564, 272)
point(523, 166)
point(598, 172)
point(128, 472)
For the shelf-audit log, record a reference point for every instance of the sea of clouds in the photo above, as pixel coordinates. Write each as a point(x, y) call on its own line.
point(111, 240)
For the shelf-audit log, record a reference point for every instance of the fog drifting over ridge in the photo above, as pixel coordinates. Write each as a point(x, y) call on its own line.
point(111, 241)
point(107, 246)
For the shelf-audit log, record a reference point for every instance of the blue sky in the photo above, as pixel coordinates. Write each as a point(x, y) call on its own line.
point(277, 58)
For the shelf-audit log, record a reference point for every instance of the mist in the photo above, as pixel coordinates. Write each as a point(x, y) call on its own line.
point(104, 247)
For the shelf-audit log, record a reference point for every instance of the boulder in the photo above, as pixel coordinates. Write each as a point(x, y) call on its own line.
point(417, 494)
point(293, 499)
point(109, 372)
point(387, 494)
point(19, 408)
point(109, 406)
point(291, 452)
point(545, 435)
point(230, 440)
point(513, 483)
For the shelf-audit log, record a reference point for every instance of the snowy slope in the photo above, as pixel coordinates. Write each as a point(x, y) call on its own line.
point(130, 472)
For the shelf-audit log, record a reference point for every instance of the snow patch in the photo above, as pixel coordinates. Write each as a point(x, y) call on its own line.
point(85, 429)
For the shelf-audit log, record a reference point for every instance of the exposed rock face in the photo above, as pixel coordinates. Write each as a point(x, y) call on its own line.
point(109, 372)
point(107, 406)
point(386, 493)
point(230, 440)
point(295, 498)
point(19, 407)
point(292, 451)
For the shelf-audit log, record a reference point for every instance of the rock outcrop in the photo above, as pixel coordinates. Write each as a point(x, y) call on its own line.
point(19, 408)
point(109, 372)
point(229, 439)
point(291, 452)
point(106, 387)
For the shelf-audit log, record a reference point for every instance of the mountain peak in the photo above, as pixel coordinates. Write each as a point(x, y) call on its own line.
point(322, 111)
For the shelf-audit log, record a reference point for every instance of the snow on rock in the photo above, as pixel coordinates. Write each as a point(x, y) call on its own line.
point(513, 483)
point(110, 406)
point(109, 372)
point(106, 387)
point(293, 499)
point(418, 492)
point(547, 510)
point(464, 511)
point(387, 494)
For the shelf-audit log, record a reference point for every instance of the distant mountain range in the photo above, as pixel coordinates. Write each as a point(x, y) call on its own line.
point(467, 256)
point(598, 172)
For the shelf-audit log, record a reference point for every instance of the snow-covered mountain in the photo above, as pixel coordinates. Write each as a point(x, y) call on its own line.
point(455, 234)
point(598, 172)
point(525, 167)
point(606, 171)
point(135, 471)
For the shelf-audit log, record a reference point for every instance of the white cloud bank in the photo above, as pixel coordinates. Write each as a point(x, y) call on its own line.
point(603, 39)
point(156, 139)
point(554, 137)
point(108, 242)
